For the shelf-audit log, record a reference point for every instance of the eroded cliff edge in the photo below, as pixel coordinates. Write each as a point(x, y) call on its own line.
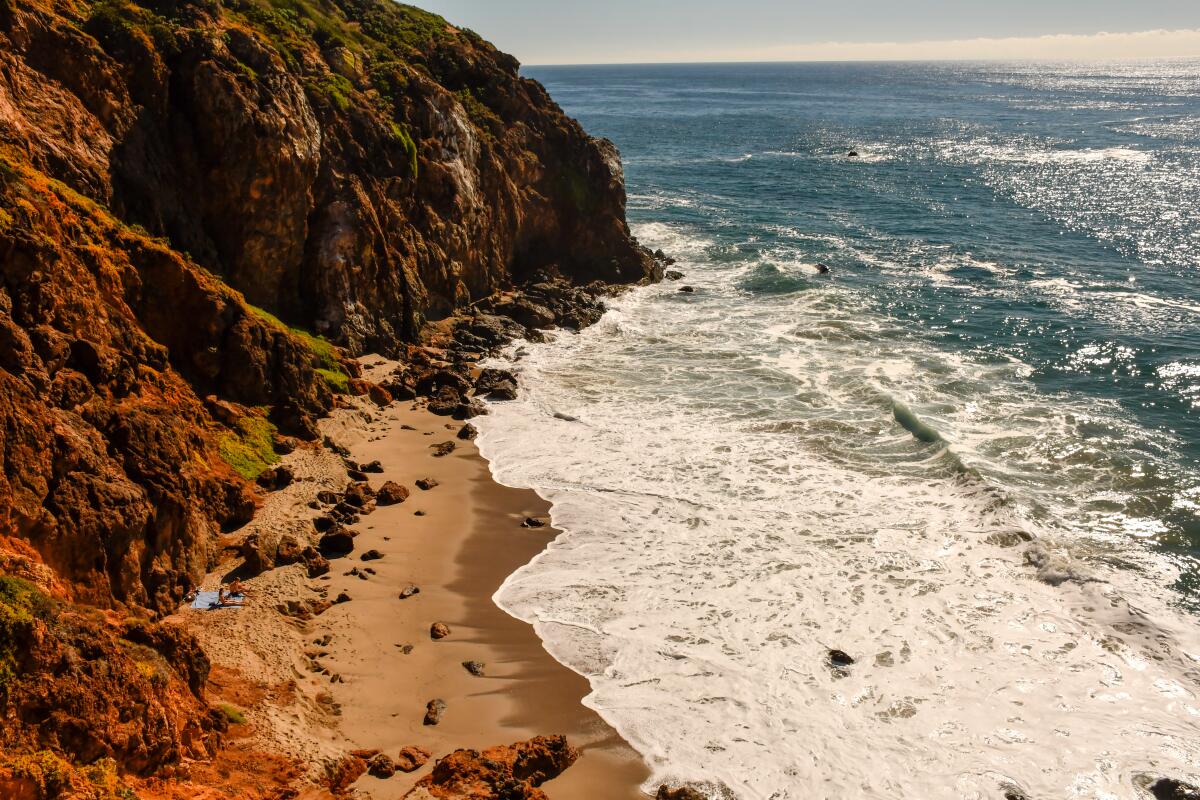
point(197, 200)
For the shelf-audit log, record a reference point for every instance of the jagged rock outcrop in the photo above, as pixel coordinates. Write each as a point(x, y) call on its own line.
point(512, 772)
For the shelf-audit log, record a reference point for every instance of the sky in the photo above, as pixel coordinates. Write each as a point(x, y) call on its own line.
point(645, 31)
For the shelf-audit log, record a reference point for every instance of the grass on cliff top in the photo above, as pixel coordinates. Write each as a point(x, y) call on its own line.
point(327, 364)
point(251, 448)
point(21, 605)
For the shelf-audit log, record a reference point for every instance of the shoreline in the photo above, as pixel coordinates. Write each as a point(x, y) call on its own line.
point(359, 689)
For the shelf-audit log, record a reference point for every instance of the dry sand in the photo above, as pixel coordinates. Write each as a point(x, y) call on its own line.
point(458, 552)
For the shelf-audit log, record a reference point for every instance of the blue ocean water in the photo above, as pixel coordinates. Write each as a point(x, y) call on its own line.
point(969, 455)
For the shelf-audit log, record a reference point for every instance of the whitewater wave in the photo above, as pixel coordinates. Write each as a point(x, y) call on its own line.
point(761, 482)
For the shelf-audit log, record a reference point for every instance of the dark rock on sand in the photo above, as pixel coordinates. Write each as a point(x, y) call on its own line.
point(373, 467)
point(425, 484)
point(443, 449)
point(391, 493)
point(468, 432)
point(356, 475)
point(284, 445)
point(533, 522)
point(276, 478)
point(433, 711)
point(342, 598)
point(359, 495)
point(1171, 789)
point(336, 542)
point(371, 555)
point(476, 668)
point(381, 766)
point(439, 630)
point(446, 402)
point(315, 563)
point(324, 523)
point(327, 497)
point(412, 758)
point(408, 591)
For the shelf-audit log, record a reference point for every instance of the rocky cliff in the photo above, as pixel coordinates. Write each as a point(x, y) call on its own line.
point(203, 205)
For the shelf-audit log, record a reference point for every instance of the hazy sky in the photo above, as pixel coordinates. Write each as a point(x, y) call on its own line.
point(634, 31)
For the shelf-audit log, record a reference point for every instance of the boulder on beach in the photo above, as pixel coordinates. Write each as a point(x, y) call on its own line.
point(476, 668)
point(425, 484)
point(409, 590)
point(412, 758)
point(443, 449)
point(381, 766)
point(439, 630)
point(391, 493)
point(336, 542)
point(468, 432)
point(371, 555)
point(372, 467)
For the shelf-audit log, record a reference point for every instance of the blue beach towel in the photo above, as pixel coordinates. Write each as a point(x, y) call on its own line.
point(208, 600)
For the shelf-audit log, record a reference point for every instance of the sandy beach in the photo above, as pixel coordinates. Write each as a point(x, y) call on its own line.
point(358, 675)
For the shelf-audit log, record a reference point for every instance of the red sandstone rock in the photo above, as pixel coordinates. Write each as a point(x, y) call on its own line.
point(513, 772)
point(412, 758)
point(391, 493)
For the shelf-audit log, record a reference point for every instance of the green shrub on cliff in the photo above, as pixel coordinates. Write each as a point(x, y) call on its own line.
point(251, 449)
point(402, 137)
point(326, 364)
point(21, 605)
point(232, 714)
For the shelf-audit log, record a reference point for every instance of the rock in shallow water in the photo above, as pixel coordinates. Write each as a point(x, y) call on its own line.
point(1171, 789)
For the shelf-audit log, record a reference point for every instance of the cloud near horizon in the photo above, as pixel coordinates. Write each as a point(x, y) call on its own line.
point(1181, 43)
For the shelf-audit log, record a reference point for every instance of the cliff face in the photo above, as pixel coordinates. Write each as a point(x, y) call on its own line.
point(197, 199)
point(355, 166)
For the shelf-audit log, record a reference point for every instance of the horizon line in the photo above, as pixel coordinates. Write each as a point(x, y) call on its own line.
point(926, 60)
point(1148, 45)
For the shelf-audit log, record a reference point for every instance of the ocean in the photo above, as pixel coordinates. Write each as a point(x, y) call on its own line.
point(968, 456)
